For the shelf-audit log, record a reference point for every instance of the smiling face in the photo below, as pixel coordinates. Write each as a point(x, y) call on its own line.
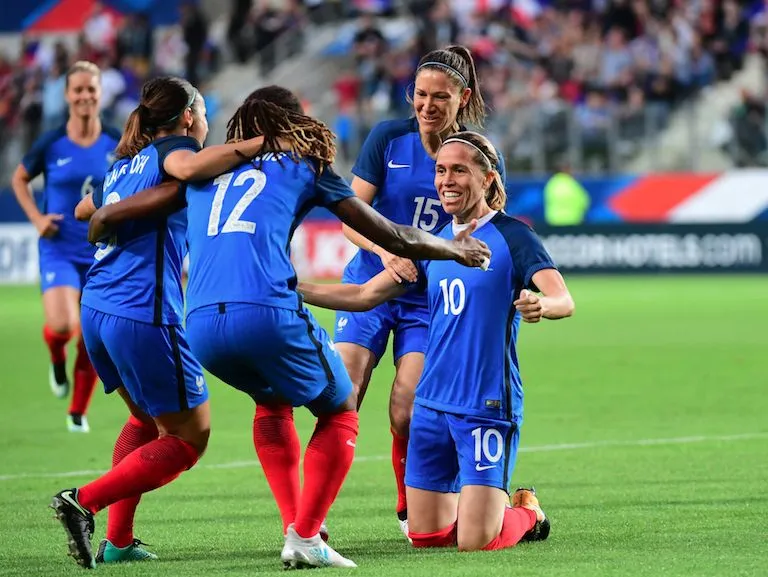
point(199, 128)
point(437, 99)
point(461, 182)
point(83, 94)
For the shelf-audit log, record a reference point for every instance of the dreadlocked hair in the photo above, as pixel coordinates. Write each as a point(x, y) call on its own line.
point(276, 114)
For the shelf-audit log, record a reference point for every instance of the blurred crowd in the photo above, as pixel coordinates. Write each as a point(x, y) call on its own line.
point(604, 72)
point(127, 49)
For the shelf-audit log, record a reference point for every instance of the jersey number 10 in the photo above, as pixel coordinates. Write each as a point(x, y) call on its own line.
point(233, 222)
point(454, 296)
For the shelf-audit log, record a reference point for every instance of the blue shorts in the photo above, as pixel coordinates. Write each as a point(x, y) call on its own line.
point(447, 452)
point(154, 363)
point(370, 329)
point(57, 271)
point(272, 354)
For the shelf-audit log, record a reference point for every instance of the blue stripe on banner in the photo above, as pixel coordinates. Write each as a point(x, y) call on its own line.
point(38, 13)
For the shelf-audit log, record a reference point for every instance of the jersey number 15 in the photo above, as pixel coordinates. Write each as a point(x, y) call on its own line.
point(233, 222)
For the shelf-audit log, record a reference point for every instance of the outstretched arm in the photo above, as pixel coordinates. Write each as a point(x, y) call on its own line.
point(352, 297)
point(160, 200)
point(407, 241)
point(555, 302)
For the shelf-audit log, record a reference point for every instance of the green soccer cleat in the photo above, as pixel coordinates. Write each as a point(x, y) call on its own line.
point(108, 553)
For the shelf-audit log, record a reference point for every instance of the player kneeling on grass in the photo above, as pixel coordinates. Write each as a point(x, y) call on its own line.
point(469, 402)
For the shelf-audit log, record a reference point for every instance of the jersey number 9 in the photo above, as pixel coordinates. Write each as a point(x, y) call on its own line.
point(233, 222)
point(105, 249)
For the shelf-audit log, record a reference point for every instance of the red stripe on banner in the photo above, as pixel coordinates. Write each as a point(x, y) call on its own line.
point(651, 198)
point(65, 16)
point(319, 250)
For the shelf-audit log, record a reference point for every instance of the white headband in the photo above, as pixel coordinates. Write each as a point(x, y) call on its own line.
point(488, 160)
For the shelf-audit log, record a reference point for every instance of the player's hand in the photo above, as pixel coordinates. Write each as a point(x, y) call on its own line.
point(399, 269)
point(46, 225)
point(529, 306)
point(472, 252)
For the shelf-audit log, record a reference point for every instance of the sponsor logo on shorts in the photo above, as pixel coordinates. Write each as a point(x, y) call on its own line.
point(49, 276)
point(480, 467)
point(200, 382)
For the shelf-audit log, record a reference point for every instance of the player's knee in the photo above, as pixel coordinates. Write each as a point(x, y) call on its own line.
point(400, 421)
point(61, 325)
point(400, 409)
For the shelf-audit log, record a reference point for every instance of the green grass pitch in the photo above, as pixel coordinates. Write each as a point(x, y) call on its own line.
point(646, 435)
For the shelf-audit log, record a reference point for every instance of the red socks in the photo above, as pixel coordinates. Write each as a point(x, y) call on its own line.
point(277, 446)
point(517, 522)
point(327, 461)
point(399, 452)
point(153, 465)
point(135, 434)
point(85, 381)
point(443, 538)
point(57, 344)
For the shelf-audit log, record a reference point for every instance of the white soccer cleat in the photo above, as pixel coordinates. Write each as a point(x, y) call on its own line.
point(300, 553)
point(404, 529)
point(73, 426)
point(60, 390)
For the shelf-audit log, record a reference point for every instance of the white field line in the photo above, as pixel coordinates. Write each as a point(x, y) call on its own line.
point(373, 458)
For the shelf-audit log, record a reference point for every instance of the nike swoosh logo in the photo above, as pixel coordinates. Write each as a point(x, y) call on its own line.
point(67, 496)
point(480, 467)
point(350, 443)
point(393, 165)
point(63, 161)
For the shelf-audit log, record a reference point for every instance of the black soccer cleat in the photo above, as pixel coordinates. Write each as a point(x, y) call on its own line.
point(79, 525)
point(527, 499)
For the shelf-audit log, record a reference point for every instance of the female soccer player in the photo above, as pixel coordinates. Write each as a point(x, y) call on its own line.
point(246, 323)
point(73, 159)
point(469, 402)
point(394, 172)
point(132, 307)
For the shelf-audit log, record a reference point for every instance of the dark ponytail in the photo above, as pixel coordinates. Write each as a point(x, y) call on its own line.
point(163, 101)
point(457, 63)
point(485, 156)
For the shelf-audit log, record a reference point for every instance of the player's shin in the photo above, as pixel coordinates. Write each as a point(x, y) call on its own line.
point(279, 451)
point(327, 461)
point(85, 382)
point(155, 464)
point(517, 522)
point(135, 434)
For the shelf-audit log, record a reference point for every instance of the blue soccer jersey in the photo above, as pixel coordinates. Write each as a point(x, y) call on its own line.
point(471, 364)
point(70, 172)
point(240, 229)
point(137, 273)
point(394, 160)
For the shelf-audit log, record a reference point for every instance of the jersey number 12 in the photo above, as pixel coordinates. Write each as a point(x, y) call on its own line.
point(233, 222)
